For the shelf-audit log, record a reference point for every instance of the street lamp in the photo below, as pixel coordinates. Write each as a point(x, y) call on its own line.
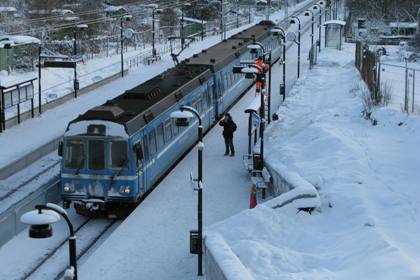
point(40, 221)
point(182, 116)
point(182, 23)
point(292, 21)
point(316, 7)
point(254, 48)
point(278, 31)
point(79, 27)
point(122, 19)
point(155, 10)
point(307, 14)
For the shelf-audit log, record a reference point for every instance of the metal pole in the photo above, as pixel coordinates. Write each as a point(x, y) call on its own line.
point(298, 69)
point(75, 86)
point(312, 31)
point(153, 34)
point(1, 108)
point(249, 133)
point(262, 78)
point(406, 87)
point(200, 198)
point(249, 13)
point(269, 89)
point(39, 80)
point(182, 28)
point(414, 86)
point(284, 67)
point(320, 26)
point(122, 47)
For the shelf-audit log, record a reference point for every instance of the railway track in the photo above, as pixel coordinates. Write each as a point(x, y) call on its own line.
point(27, 181)
point(53, 264)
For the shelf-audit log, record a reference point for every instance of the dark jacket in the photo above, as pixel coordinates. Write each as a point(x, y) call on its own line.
point(229, 126)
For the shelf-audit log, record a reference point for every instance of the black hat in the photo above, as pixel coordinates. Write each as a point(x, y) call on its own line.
point(228, 115)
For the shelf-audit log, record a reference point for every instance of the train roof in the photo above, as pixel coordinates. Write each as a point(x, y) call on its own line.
point(256, 32)
point(223, 53)
point(141, 104)
point(219, 55)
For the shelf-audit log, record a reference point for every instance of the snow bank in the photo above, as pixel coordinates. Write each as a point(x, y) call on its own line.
point(291, 188)
point(221, 262)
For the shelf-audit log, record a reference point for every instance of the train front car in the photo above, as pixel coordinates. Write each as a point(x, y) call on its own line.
point(98, 172)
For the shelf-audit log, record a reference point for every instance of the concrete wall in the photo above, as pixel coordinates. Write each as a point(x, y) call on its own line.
point(10, 224)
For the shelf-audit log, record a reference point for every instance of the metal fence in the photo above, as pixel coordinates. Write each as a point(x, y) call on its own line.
point(399, 82)
point(313, 55)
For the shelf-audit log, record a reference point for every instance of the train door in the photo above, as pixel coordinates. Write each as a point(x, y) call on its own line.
point(210, 101)
point(142, 155)
point(219, 94)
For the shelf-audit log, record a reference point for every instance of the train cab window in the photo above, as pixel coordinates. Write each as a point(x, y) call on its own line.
point(152, 142)
point(210, 94)
point(118, 154)
point(96, 159)
point(160, 136)
point(168, 130)
point(74, 156)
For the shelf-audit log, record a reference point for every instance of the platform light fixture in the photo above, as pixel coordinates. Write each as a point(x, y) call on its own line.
point(40, 221)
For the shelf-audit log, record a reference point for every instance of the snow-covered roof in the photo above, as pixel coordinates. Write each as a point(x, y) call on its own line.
point(336, 21)
point(74, 18)
point(15, 40)
point(63, 11)
point(194, 20)
point(403, 24)
point(114, 9)
point(7, 9)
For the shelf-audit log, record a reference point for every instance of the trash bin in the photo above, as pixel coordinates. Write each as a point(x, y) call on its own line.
point(257, 162)
point(194, 242)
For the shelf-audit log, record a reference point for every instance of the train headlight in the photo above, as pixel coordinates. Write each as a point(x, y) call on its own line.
point(125, 189)
point(68, 187)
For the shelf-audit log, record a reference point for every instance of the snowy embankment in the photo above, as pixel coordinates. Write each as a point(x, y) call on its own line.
point(367, 178)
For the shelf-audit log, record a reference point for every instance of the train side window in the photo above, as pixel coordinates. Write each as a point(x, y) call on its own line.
point(145, 150)
point(152, 142)
point(160, 136)
point(168, 130)
point(175, 127)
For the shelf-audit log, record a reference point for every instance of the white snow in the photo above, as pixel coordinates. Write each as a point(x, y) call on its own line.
point(366, 176)
point(339, 22)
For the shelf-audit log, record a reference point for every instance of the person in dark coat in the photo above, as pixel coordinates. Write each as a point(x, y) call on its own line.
point(229, 127)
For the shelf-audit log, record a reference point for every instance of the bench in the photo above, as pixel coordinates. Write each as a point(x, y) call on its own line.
point(261, 180)
point(152, 59)
point(247, 160)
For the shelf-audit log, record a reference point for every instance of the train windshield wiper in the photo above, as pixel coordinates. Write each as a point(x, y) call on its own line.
point(80, 166)
point(124, 162)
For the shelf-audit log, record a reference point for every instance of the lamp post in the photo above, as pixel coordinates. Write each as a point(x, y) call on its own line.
point(278, 31)
point(312, 25)
point(6, 46)
point(292, 20)
point(40, 221)
point(182, 24)
point(155, 10)
point(79, 27)
point(182, 116)
point(318, 6)
point(122, 19)
point(39, 79)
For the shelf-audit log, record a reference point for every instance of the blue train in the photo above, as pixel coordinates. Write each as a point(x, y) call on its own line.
point(114, 154)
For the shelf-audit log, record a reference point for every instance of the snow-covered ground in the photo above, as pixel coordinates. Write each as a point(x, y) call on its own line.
point(367, 178)
point(181, 200)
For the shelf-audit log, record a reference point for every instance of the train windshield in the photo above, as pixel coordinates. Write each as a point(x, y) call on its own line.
point(96, 148)
point(74, 154)
point(118, 154)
